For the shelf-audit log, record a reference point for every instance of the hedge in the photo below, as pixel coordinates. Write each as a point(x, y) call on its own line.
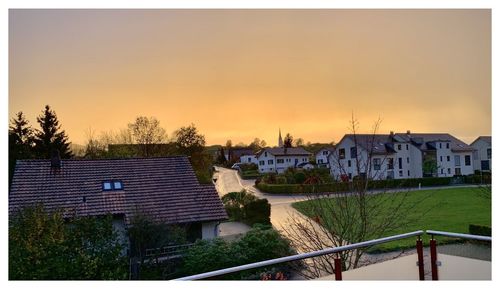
point(344, 186)
point(479, 230)
point(253, 174)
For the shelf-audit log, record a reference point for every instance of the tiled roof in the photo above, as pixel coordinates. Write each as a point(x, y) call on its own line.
point(380, 143)
point(164, 188)
point(456, 145)
point(298, 151)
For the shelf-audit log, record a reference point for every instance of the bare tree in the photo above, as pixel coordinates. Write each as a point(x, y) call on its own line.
point(353, 216)
point(94, 148)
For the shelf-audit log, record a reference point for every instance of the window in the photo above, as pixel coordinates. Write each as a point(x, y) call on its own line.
point(261, 163)
point(467, 160)
point(400, 161)
point(270, 162)
point(457, 161)
point(449, 171)
point(280, 161)
point(112, 185)
point(399, 147)
point(325, 153)
point(441, 158)
point(249, 159)
point(265, 154)
point(407, 160)
point(408, 172)
point(376, 164)
point(485, 165)
point(400, 173)
point(350, 176)
point(320, 161)
point(447, 158)
point(458, 172)
point(390, 164)
point(354, 152)
point(447, 145)
point(488, 152)
point(349, 163)
point(341, 153)
point(406, 147)
point(440, 145)
point(442, 171)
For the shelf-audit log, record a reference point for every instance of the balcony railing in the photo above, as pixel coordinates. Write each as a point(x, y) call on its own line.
point(336, 250)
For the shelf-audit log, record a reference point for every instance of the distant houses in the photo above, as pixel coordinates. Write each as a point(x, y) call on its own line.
point(482, 154)
point(165, 189)
point(278, 159)
point(322, 156)
point(400, 156)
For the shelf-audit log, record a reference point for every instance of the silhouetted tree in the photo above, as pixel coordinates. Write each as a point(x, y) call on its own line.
point(257, 144)
point(147, 132)
point(189, 141)
point(21, 141)
point(288, 141)
point(221, 159)
point(299, 142)
point(50, 137)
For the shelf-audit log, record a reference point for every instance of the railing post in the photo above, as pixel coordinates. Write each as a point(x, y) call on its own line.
point(420, 253)
point(434, 267)
point(338, 268)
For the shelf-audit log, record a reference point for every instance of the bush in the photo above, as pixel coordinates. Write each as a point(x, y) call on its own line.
point(248, 167)
point(257, 212)
point(258, 244)
point(299, 177)
point(479, 230)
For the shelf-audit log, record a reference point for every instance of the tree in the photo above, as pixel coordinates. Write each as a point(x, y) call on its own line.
point(94, 148)
point(147, 132)
point(288, 141)
point(299, 142)
point(257, 144)
point(221, 158)
point(50, 137)
point(45, 246)
point(21, 141)
point(349, 217)
point(189, 141)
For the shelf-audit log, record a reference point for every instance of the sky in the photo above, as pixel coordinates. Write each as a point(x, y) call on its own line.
point(242, 74)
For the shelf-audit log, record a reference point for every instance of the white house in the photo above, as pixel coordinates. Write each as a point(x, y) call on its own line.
point(482, 153)
point(278, 159)
point(249, 159)
point(322, 157)
point(400, 156)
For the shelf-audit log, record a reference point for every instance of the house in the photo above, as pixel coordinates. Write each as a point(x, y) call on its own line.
point(165, 189)
point(400, 156)
point(482, 153)
point(322, 156)
point(249, 159)
point(233, 155)
point(278, 159)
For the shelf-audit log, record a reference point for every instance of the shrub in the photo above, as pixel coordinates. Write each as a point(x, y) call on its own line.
point(479, 230)
point(299, 177)
point(235, 202)
point(257, 212)
point(248, 167)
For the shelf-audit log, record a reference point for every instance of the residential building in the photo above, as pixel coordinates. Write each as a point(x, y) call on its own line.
point(400, 156)
point(233, 155)
point(482, 153)
point(249, 159)
point(278, 159)
point(165, 189)
point(322, 157)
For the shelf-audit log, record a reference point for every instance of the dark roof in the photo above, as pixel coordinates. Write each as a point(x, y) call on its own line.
point(327, 148)
point(164, 188)
point(428, 140)
point(381, 143)
point(277, 151)
point(238, 152)
point(483, 138)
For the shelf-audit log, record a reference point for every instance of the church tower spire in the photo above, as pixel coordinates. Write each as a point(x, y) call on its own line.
point(280, 140)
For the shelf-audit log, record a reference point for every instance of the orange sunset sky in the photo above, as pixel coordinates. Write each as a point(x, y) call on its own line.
point(241, 74)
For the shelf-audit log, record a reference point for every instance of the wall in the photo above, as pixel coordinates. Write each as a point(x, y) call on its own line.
point(209, 230)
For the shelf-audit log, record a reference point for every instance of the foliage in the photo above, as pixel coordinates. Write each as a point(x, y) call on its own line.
point(248, 167)
point(260, 243)
point(189, 141)
point(50, 137)
point(21, 141)
point(42, 246)
point(288, 141)
point(257, 144)
point(246, 207)
point(146, 132)
point(479, 230)
point(221, 158)
point(257, 212)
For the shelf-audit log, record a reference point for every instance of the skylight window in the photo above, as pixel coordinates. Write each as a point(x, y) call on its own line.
point(112, 185)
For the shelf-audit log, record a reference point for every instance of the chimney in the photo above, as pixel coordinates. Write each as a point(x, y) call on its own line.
point(55, 160)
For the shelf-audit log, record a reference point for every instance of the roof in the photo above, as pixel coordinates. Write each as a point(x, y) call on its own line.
point(486, 139)
point(164, 188)
point(426, 140)
point(277, 151)
point(327, 148)
point(380, 143)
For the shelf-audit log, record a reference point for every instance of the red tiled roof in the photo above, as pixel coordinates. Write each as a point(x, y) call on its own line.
point(164, 188)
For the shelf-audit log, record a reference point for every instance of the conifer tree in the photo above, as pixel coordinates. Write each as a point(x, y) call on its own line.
point(50, 137)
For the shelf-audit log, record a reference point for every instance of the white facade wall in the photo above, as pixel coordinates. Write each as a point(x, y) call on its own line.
point(209, 230)
point(444, 159)
point(248, 159)
point(481, 154)
point(465, 168)
point(322, 158)
point(268, 163)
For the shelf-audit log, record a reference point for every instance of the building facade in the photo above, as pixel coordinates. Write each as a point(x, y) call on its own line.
point(277, 160)
point(482, 153)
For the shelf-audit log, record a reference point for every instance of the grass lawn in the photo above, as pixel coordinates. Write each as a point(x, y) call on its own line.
point(453, 210)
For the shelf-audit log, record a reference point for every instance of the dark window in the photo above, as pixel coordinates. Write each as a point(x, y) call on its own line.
point(408, 172)
point(447, 145)
point(265, 154)
point(261, 163)
point(399, 147)
point(390, 164)
point(488, 152)
point(440, 145)
point(249, 159)
point(349, 163)
point(442, 171)
point(400, 173)
point(406, 147)
point(441, 158)
point(447, 158)
point(342, 153)
point(350, 176)
point(270, 162)
point(458, 172)
point(354, 152)
point(280, 161)
point(485, 165)
point(467, 160)
point(400, 161)
point(449, 171)
point(376, 164)
point(457, 161)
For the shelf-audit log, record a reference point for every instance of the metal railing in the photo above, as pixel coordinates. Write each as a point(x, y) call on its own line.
point(433, 246)
point(338, 269)
point(168, 250)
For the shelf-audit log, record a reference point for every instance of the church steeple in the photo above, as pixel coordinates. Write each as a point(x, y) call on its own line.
point(280, 140)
